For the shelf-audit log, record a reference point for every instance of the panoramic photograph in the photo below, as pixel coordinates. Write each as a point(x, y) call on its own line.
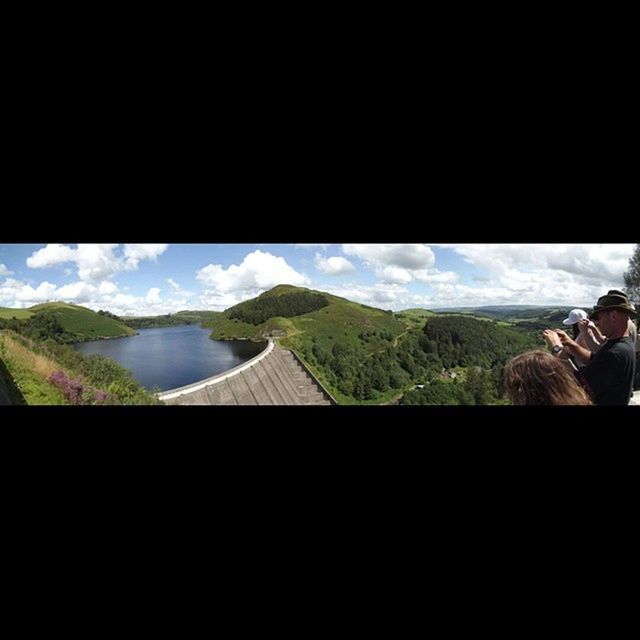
point(319, 324)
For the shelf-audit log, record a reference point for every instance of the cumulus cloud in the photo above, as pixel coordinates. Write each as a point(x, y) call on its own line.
point(553, 274)
point(433, 276)
point(50, 256)
point(394, 275)
point(173, 284)
point(333, 266)
point(95, 262)
point(404, 256)
point(258, 272)
point(42, 293)
point(134, 253)
point(105, 295)
point(599, 262)
point(4, 271)
point(78, 292)
point(153, 296)
point(396, 263)
point(389, 295)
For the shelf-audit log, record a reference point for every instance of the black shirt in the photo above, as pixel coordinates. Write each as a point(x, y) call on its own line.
point(610, 372)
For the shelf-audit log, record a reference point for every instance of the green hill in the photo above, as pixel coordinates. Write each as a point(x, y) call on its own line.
point(19, 314)
point(334, 336)
point(83, 323)
point(328, 319)
point(78, 323)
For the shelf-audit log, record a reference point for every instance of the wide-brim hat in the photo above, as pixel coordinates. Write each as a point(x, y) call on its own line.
point(619, 302)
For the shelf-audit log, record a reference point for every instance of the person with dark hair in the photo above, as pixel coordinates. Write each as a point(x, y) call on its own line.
point(537, 378)
point(608, 375)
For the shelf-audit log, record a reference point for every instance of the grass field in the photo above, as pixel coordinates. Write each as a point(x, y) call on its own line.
point(19, 314)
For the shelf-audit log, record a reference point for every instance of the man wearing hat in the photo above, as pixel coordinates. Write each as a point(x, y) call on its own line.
point(609, 373)
point(633, 332)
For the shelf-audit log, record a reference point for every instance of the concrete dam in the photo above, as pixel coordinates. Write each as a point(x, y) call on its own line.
point(273, 377)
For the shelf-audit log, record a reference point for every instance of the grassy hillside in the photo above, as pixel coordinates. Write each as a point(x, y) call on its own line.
point(415, 317)
point(82, 323)
point(20, 314)
point(46, 373)
point(340, 320)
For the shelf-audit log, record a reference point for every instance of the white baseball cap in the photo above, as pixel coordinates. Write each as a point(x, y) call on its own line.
point(575, 316)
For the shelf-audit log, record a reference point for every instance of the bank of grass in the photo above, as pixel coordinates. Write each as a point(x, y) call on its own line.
point(32, 363)
point(30, 372)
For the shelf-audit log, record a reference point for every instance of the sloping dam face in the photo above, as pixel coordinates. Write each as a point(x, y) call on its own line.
point(274, 377)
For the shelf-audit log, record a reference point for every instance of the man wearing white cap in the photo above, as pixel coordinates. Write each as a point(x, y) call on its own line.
point(585, 333)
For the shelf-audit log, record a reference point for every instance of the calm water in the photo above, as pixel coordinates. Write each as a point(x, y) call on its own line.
point(171, 357)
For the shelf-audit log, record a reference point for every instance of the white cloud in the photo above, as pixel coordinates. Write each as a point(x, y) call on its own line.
point(433, 276)
point(78, 292)
point(333, 266)
point(134, 253)
point(394, 275)
point(404, 256)
point(600, 262)
point(107, 288)
point(394, 263)
point(8, 292)
point(4, 271)
point(258, 272)
point(385, 295)
point(50, 255)
point(95, 262)
point(153, 296)
point(173, 284)
point(42, 293)
point(551, 274)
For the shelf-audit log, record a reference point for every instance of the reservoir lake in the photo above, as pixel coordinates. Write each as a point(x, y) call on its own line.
point(170, 357)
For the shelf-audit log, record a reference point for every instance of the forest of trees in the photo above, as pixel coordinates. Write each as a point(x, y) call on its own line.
point(420, 358)
point(460, 341)
point(257, 311)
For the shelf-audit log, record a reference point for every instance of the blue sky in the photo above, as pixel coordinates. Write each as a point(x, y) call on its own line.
point(140, 279)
